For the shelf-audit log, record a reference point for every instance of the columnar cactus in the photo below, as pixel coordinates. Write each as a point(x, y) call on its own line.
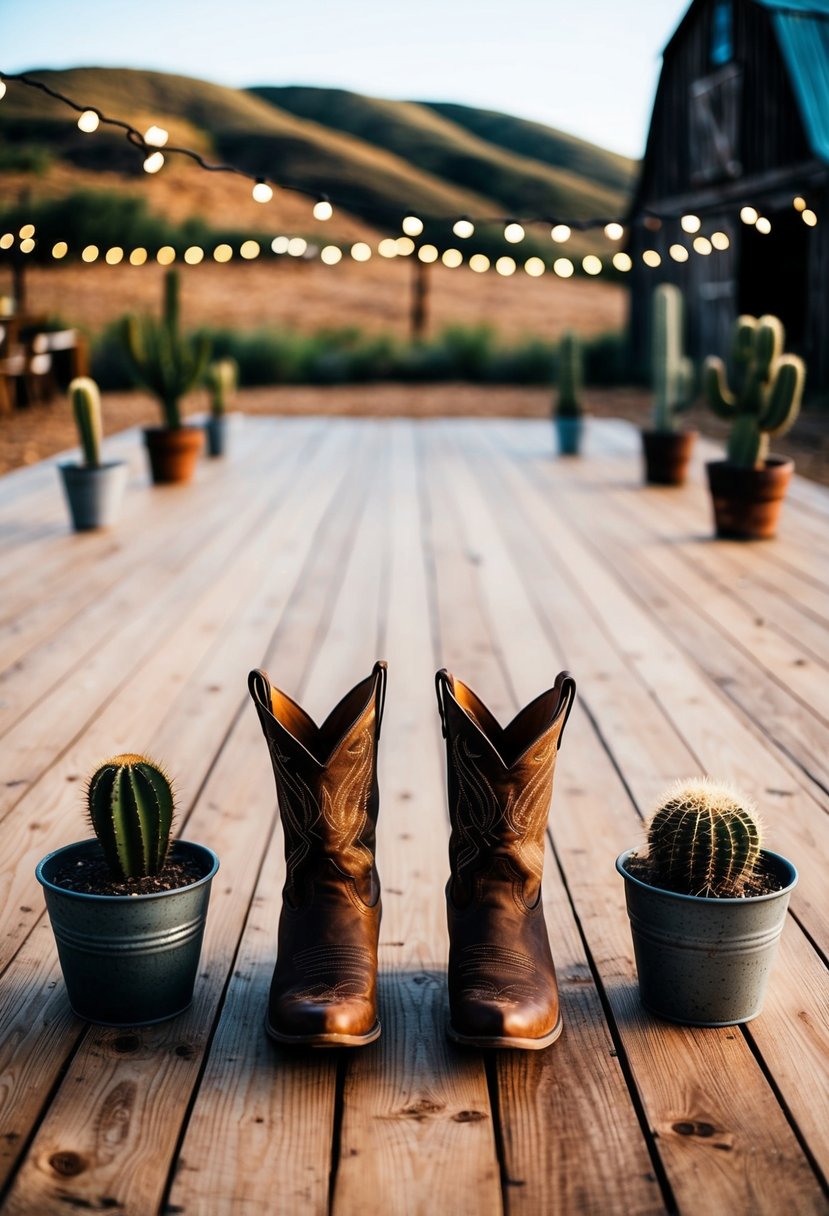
point(570, 377)
point(673, 372)
point(703, 840)
point(768, 389)
point(221, 378)
point(163, 360)
point(131, 809)
point(86, 406)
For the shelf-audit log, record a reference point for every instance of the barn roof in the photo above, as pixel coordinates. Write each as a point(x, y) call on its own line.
point(802, 29)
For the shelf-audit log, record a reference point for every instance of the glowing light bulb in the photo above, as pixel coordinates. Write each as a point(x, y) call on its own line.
point(799, 203)
point(749, 215)
point(166, 255)
point(114, 256)
point(479, 262)
point(505, 266)
point(623, 261)
point(405, 245)
point(26, 231)
point(412, 226)
point(809, 217)
point(452, 258)
point(261, 192)
point(534, 267)
point(361, 252)
point(679, 253)
point(763, 225)
point(591, 264)
point(427, 253)
point(563, 267)
point(2, 89)
point(387, 247)
point(90, 253)
point(702, 245)
point(614, 231)
point(651, 258)
point(280, 244)
point(297, 247)
point(331, 255)
point(463, 228)
point(514, 233)
point(154, 162)
point(156, 137)
point(89, 121)
point(28, 245)
point(138, 257)
point(249, 250)
point(720, 240)
point(690, 223)
point(323, 210)
point(60, 250)
point(222, 253)
point(560, 233)
point(194, 255)
point(6, 240)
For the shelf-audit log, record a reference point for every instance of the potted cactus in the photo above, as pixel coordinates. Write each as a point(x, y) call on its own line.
point(169, 365)
point(569, 412)
point(128, 909)
point(706, 905)
point(748, 487)
point(94, 489)
point(221, 379)
point(667, 449)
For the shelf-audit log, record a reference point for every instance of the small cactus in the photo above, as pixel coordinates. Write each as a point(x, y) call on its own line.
point(163, 360)
point(86, 406)
point(131, 809)
point(221, 378)
point(673, 372)
point(570, 377)
point(703, 840)
point(769, 388)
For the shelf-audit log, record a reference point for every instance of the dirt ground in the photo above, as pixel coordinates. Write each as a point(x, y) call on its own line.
point(32, 434)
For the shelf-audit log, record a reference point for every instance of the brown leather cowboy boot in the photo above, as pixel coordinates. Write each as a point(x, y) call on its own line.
point(502, 982)
point(324, 988)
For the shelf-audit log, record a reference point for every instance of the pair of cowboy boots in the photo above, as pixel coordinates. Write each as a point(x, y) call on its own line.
point(502, 984)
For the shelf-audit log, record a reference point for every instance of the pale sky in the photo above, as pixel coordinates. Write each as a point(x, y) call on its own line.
point(589, 68)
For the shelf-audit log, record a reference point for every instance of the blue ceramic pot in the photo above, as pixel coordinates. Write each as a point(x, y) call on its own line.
point(216, 428)
point(94, 494)
point(569, 432)
point(128, 960)
point(704, 961)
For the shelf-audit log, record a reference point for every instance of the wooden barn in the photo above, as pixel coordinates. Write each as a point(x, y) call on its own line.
point(740, 120)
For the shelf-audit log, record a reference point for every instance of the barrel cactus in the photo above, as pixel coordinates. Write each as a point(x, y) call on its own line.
point(131, 808)
point(221, 378)
point(768, 389)
point(163, 360)
point(673, 372)
point(570, 377)
point(86, 406)
point(704, 839)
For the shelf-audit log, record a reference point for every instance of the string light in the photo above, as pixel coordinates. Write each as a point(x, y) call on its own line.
point(463, 227)
point(6, 240)
point(323, 209)
point(763, 225)
point(514, 232)
point(90, 253)
point(702, 245)
point(412, 226)
point(679, 253)
point(60, 250)
point(156, 137)
point(651, 258)
point(297, 247)
point(479, 262)
point(166, 255)
point(153, 162)
point(280, 244)
point(534, 267)
point(387, 247)
point(114, 256)
point(27, 246)
point(623, 261)
point(2, 89)
point(690, 223)
point(193, 255)
point(331, 255)
point(749, 215)
point(720, 240)
point(138, 257)
point(222, 253)
point(799, 203)
point(261, 192)
point(563, 267)
point(249, 250)
point(405, 245)
point(89, 121)
point(591, 264)
point(808, 216)
point(361, 252)
point(560, 233)
point(26, 231)
point(428, 253)
point(614, 231)
point(505, 266)
point(452, 258)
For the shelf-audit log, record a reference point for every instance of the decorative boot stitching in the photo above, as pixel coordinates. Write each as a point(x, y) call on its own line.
point(333, 973)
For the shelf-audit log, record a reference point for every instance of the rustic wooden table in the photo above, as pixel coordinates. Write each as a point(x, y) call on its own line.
point(314, 548)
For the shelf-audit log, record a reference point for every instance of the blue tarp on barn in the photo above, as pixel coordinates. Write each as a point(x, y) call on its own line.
point(802, 28)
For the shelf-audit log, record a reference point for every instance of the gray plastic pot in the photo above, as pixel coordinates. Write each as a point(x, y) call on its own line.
point(569, 432)
point(704, 961)
point(216, 431)
point(128, 960)
point(94, 493)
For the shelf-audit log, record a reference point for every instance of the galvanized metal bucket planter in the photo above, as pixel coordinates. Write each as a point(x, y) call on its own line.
point(94, 493)
point(128, 960)
point(704, 961)
point(569, 432)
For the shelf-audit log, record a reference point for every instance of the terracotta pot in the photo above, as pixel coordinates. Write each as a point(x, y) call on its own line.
point(173, 452)
point(667, 454)
point(747, 501)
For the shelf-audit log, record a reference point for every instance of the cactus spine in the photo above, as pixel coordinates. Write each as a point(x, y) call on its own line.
point(703, 840)
point(673, 372)
point(163, 360)
point(768, 389)
point(131, 809)
point(570, 377)
point(222, 378)
point(86, 406)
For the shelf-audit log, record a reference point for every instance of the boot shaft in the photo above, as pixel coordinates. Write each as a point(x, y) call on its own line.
point(500, 782)
point(326, 783)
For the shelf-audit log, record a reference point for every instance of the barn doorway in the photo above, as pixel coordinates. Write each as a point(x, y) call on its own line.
point(773, 274)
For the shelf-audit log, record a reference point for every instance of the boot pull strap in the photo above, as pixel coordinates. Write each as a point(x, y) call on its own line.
point(381, 672)
point(566, 697)
point(441, 686)
point(259, 687)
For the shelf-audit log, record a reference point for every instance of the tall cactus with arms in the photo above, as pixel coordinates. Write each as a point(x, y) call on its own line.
point(86, 406)
point(768, 390)
point(673, 372)
point(131, 808)
point(164, 361)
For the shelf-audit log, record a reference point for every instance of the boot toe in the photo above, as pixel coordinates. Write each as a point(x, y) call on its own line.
point(306, 1020)
point(498, 1020)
